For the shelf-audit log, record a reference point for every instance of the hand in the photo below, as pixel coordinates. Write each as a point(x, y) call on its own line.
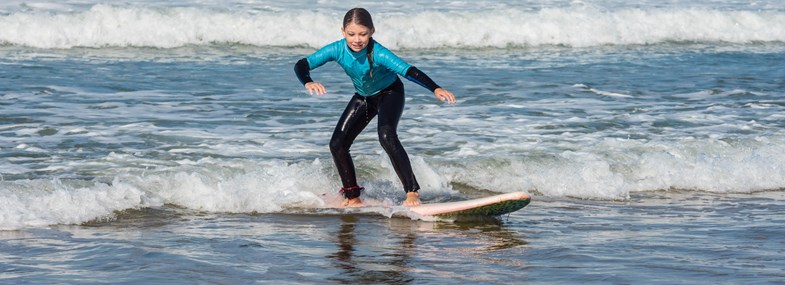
point(444, 95)
point(315, 87)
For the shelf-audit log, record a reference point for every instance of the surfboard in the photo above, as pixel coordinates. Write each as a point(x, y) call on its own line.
point(486, 207)
point(496, 205)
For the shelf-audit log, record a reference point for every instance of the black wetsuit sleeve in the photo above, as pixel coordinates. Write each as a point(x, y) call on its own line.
point(419, 77)
point(303, 71)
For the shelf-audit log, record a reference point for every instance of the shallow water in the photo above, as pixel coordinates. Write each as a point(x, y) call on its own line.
point(654, 238)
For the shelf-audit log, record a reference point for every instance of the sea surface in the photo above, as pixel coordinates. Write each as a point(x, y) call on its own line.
point(169, 142)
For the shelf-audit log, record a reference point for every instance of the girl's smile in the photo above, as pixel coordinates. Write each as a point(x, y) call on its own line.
point(357, 36)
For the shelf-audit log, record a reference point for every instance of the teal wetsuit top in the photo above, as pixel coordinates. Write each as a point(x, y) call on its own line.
point(386, 65)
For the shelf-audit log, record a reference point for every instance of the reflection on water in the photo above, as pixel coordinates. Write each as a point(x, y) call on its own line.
point(170, 243)
point(493, 232)
point(395, 253)
point(383, 265)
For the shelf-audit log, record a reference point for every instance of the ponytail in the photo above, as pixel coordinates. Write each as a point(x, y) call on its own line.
point(369, 54)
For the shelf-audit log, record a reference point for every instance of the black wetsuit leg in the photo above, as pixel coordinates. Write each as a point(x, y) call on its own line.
point(388, 104)
point(354, 119)
point(390, 107)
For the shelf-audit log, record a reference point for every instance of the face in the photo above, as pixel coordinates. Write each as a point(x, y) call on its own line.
point(357, 36)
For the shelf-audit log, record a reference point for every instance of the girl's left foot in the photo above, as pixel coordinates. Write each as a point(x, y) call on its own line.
point(412, 199)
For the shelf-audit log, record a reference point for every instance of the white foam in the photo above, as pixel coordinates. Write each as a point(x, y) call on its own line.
point(605, 169)
point(601, 92)
point(41, 203)
point(578, 26)
point(11, 168)
point(614, 168)
point(211, 185)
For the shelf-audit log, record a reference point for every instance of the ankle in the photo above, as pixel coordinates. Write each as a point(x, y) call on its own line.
point(351, 192)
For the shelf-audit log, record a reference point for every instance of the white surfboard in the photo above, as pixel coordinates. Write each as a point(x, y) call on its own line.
point(491, 206)
point(488, 206)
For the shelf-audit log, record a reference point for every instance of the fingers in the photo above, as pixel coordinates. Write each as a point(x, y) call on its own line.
point(444, 95)
point(315, 88)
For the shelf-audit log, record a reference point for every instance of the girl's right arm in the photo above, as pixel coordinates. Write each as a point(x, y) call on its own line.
point(303, 72)
point(304, 66)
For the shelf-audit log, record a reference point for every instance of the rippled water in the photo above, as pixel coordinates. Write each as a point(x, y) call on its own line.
point(650, 136)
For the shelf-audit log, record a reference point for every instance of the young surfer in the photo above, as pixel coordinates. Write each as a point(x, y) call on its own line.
point(374, 71)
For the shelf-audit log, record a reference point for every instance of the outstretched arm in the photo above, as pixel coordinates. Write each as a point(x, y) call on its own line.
point(419, 77)
point(303, 72)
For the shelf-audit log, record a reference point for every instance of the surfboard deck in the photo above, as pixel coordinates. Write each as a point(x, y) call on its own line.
point(496, 205)
point(486, 207)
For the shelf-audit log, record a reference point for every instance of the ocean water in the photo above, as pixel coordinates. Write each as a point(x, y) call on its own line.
point(170, 142)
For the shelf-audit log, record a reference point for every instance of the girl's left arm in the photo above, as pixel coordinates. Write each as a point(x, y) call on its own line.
point(393, 62)
point(419, 77)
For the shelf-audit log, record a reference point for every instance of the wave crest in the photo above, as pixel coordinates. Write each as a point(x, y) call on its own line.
point(171, 27)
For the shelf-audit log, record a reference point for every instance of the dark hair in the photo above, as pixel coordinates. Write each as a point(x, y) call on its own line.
point(362, 17)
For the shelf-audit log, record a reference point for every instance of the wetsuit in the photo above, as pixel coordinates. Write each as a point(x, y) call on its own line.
point(380, 92)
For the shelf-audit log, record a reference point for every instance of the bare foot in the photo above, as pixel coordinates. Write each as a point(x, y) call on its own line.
point(412, 199)
point(353, 202)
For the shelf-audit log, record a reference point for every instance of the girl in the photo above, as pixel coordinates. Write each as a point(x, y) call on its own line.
point(374, 71)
